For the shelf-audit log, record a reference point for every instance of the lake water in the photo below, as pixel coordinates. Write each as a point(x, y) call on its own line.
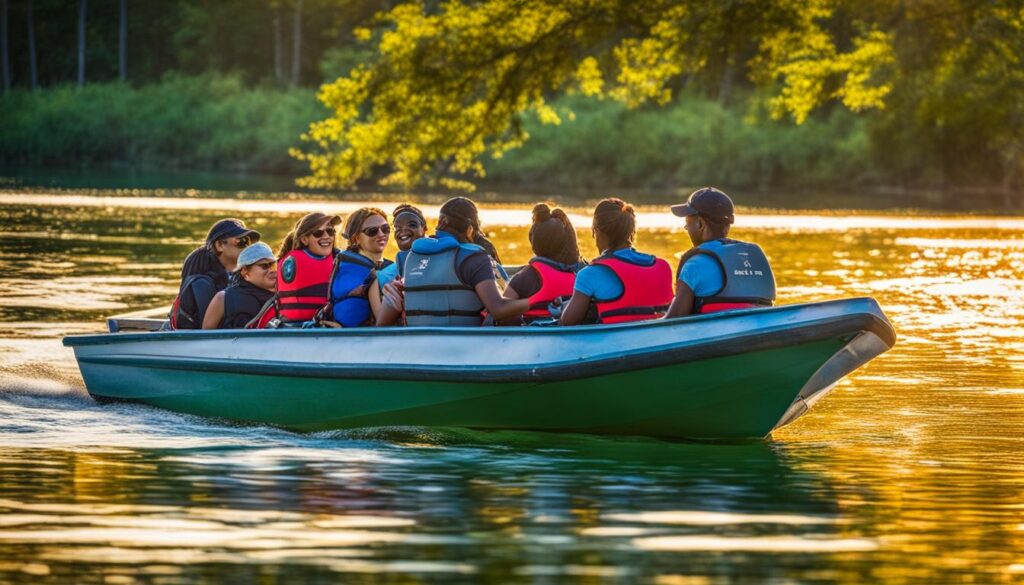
point(911, 471)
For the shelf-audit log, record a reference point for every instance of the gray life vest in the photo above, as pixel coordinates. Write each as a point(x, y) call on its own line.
point(434, 294)
point(747, 277)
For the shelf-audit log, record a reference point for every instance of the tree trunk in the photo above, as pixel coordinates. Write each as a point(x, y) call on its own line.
point(122, 43)
point(296, 42)
point(6, 65)
point(81, 42)
point(33, 69)
point(278, 51)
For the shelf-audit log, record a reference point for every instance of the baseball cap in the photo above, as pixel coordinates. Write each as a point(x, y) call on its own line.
point(253, 254)
point(230, 228)
point(709, 202)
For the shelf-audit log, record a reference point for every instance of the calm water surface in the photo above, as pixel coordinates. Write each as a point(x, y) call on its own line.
point(912, 471)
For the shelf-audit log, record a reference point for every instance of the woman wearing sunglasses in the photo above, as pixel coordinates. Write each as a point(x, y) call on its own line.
point(410, 225)
point(355, 269)
point(236, 306)
point(306, 258)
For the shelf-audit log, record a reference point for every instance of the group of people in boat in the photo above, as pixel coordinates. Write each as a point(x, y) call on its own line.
point(454, 276)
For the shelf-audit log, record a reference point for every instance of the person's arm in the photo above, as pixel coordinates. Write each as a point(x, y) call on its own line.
point(682, 304)
point(214, 312)
point(375, 299)
point(575, 310)
point(498, 306)
point(392, 303)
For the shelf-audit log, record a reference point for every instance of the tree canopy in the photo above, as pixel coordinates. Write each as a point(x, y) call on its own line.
point(451, 83)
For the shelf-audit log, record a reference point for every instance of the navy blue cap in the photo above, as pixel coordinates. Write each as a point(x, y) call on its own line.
point(230, 228)
point(709, 202)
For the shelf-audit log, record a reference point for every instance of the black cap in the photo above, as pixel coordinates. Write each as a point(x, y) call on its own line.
point(709, 202)
point(230, 228)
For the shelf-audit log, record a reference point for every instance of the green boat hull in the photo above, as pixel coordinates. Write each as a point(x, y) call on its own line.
point(732, 397)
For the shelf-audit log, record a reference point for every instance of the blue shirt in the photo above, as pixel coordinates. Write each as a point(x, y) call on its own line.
point(600, 282)
point(387, 274)
point(702, 273)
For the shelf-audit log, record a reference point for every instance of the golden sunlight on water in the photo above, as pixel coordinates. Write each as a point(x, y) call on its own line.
point(911, 471)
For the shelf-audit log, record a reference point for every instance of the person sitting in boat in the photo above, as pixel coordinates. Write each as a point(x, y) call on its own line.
point(355, 268)
point(410, 225)
point(718, 273)
point(206, 271)
point(449, 281)
point(237, 306)
point(622, 284)
point(551, 273)
point(305, 262)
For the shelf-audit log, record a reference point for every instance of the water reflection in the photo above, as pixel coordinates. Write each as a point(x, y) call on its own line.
point(912, 471)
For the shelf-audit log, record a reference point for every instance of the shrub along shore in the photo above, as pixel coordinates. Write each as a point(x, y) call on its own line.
point(218, 122)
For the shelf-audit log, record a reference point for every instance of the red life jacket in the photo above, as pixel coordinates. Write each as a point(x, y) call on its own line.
point(302, 285)
point(556, 280)
point(646, 291)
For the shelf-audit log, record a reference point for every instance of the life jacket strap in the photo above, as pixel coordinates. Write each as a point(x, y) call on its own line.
point(635, 311)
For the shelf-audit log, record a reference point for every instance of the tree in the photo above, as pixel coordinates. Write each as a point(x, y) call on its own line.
point(81, 42)
point(6, 65)
point(122, 41)
point(32, 65)
point(453, 83)
point(297, 43)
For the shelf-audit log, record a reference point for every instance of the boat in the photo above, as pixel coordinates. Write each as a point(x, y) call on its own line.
point(721, 376)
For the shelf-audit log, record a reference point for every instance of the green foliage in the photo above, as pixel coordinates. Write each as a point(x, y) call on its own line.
point(451, 84)
point(690, 142)
point(196, 122)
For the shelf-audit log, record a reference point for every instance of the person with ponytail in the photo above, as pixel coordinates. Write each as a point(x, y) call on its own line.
point(355, 268)
point(551, 273)
point(622, 284)
point(449, 278)
point(305, 260)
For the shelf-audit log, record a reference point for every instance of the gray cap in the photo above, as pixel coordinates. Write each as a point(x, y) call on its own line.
point(253, 254)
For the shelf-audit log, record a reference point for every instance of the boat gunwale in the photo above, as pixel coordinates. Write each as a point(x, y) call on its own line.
point(885, 329)
point(601, 365)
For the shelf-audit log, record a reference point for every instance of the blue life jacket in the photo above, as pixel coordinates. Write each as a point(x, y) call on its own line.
point(400, 260)
point(350, 304)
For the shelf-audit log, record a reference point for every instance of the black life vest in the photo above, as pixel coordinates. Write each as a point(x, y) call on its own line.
point(193, 298)
point(746, 274)
point(242, 303)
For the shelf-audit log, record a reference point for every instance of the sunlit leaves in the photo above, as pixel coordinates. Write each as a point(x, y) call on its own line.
point(451, 84)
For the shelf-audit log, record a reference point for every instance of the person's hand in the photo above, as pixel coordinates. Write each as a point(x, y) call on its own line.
point(393, 295)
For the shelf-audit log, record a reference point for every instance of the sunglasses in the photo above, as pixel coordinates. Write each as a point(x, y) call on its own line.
point(242, 242)
point(373, 231)
point(265, 265)
point(319, 233)
point(410, 225)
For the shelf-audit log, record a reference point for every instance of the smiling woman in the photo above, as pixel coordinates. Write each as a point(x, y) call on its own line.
point(304, 269)
point(355, 269)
